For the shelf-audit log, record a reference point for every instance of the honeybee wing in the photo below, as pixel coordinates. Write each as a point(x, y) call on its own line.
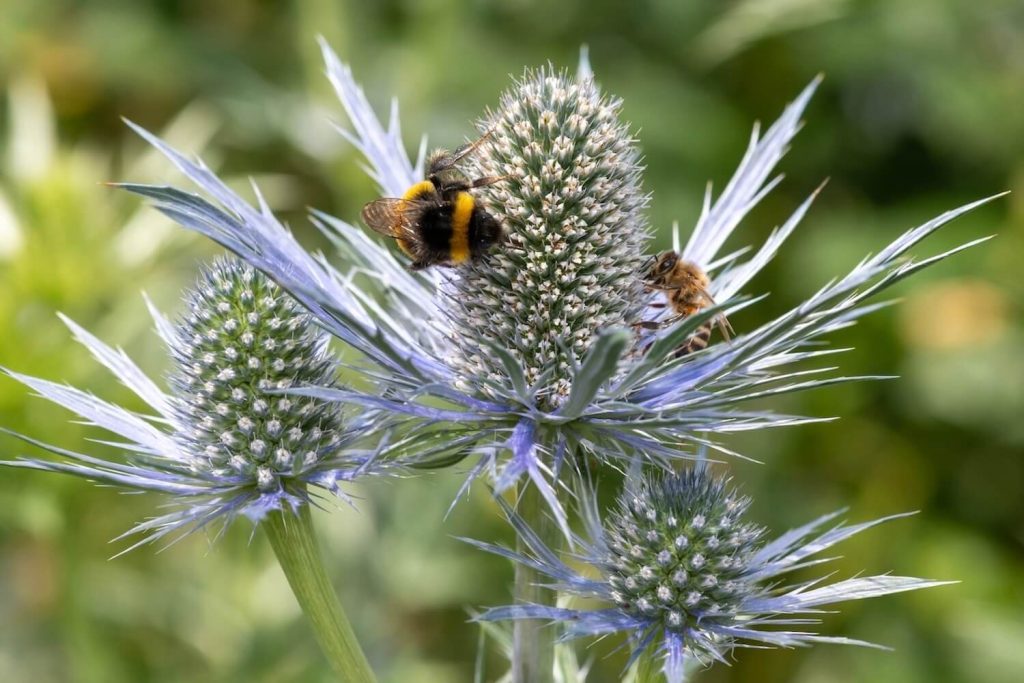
point(392, 216)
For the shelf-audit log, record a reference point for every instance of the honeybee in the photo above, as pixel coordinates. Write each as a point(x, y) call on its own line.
point(437, 221)
point(686, 287)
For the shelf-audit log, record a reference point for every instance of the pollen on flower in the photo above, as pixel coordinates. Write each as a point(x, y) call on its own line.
point(572, 208)
point(241, 348)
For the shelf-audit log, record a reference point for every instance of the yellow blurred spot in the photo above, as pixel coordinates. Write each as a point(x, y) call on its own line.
point(953, 315)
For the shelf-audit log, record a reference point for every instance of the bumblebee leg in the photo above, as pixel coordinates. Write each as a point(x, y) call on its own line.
point(488, 180)
point(450, 189)
point(446, 161)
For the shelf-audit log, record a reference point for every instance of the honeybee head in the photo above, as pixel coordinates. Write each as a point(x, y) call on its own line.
point(663, 265)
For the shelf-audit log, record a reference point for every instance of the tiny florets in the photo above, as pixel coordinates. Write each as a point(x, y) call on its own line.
point(572, 207)
point(679, 550)
point(241, 338)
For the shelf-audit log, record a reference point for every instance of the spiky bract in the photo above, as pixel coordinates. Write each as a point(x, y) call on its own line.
point(680, 570)
point(528, 360)
point(226, 440)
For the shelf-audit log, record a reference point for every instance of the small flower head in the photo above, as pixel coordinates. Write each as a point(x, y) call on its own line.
point(679, 550)
point(227, 439)
point(572, 206)
point(242, 339)
point(677, 564)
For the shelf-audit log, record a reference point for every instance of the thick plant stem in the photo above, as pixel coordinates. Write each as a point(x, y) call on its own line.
point(534, 640)
point(291, 535)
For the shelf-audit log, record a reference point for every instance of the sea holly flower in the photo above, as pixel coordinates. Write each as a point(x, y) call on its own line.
point(574, 212)
point(531, 359)
point(223, 441)
point(685, 575)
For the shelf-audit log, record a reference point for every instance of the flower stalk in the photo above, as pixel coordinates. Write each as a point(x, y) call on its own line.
point(647, 668)
point(291, 535)
point(533, 641)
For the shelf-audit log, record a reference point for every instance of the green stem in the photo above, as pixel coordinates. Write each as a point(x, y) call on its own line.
point(294, 543)
point(533, 658)
point(648, 669)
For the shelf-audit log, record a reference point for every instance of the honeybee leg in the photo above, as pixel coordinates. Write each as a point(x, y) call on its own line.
point(657, 324)
point(725, 328)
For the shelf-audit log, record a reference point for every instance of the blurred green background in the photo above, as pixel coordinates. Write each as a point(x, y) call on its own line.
point(920, 111)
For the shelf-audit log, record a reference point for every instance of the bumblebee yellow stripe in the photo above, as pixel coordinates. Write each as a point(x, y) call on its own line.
point(462, 211)
point(418, 190)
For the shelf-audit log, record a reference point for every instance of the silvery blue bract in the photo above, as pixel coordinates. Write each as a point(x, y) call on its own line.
point(224, 440)
point(680, 570)
point(530, 361)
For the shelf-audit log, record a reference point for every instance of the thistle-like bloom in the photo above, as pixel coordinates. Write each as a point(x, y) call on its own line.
point(682, 570)
point(530, 358)
point(573, 209)
point(224, 441)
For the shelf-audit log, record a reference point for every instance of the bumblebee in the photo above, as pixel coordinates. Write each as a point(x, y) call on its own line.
point(686, 288)
point(437, 221)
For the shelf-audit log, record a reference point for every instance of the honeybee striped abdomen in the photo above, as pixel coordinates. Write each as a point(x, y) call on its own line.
point(698, 341)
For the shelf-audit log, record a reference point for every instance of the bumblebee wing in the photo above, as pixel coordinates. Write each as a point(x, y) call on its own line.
point(385, 216)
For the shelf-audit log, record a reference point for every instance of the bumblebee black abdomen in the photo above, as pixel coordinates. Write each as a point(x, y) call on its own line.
point(435, 228)
point(484, 232)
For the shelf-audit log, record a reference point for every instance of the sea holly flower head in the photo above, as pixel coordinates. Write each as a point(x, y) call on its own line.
point(572, 207)
point(224, 440)
point(241, 339)
point(530, 358)
point(678, 550)
point(682, 573)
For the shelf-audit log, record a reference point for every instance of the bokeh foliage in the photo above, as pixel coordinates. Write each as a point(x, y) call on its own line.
point(919, 112)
